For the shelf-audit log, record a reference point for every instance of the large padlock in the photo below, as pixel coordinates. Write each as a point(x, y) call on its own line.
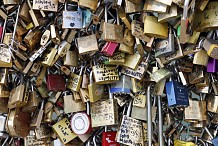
point(125, 136)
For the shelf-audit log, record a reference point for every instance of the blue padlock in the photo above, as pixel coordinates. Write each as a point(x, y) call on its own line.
point(177, 94)
point(215, 141)
point(123, 86)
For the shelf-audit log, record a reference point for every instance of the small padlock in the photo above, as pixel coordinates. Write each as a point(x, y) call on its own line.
point(95, 91)
point(37, 116)
point(161, 74)
point(108, 138)
point(71, 105)
point(105, 74)
point(33, 101)
point(75, 81)
point(87, 44)
point(177, 94)
point(63, 130)
point(132, 7)
point(212, 65)
point(55, 82)
point(71, 58)
point(123, 86)
point(18, 96)
point(154, 29)
point(81, 122)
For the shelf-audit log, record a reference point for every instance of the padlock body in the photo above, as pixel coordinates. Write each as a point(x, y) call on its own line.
point(177, 94)
point(72, 19)
point(212, 65)
point(56, 82)
point(124, 85)
point(109, 48)
point(108, 139)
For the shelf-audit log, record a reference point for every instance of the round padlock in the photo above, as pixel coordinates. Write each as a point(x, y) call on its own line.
point(81, 123)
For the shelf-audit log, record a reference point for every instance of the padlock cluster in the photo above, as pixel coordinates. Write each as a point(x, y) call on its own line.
point(108, 72)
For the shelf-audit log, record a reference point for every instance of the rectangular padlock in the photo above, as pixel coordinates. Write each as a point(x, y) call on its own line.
point(109, 48)
point(211, 46)
point(155, 6)
point(108, 138)
point(55, 82)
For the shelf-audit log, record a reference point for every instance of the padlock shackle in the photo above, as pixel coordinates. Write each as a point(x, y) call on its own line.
point(185, 9)
point(208, 132)
point(15, 25)
point(129, 108)
point(160, 122)
point(149, 113)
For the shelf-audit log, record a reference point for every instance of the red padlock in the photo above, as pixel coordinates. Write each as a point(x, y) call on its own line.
point(56, 82)
point(81, 122)
point(108, 138)
point(109, 48)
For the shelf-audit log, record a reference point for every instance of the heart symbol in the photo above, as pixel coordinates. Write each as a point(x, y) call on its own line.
point(72, 24)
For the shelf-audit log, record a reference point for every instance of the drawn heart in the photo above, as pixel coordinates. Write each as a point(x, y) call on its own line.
point(72, 24)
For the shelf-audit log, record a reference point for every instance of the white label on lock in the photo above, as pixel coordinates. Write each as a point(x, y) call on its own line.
point(45, 5)
point(72, 19)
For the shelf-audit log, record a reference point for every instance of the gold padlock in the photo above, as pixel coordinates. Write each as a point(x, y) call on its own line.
point(63, 130)
point(201, 58)
point(132, 7)
point(154, 29)
point(105, 74)
point(155, 6)
point(91, 4)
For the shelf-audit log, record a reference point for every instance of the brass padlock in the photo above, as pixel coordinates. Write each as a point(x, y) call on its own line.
point(201, 58)
point(173, 13)
point(91, 4)
point(206, 19)
point(112, 32)
point(155, 6)
point(63, 130)
point(87, 44)
point(104, 112)
point(18, 123)
point(154, 29)
point(105, 74)
point(132, 61)
point(11, 2)
point(132, 7)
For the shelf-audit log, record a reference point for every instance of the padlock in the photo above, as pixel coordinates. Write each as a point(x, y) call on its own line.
point(112, 32)
point(124, 136)
point(71, 105)
point(37, 116)
point(177, 94)
point(10, 2)
point(123, 86)
point(137, 86)
point(47, 118)
point(109, 48)
point(210, 46)
point(71, 58)
point(212, 103)
point(18, 96)
point(125, 18)
point(155, 6)
point(18, 123)
point(71, 36)
point(84, 95)
point(105, 74)
point(132, 7)
point(72, 19)
point(33, 38)
point(24, 12)
point(205, 21)
point(154, 29)
point(117, 58)
point(161, 74)
point(75, 81)
point(43, 91)
point(165, 47)
point(104, 112)
point(81, 122)
point(55, 37)
point(132, 60)
point(193, 113)
point(212, 65)
point(197, 75)
point(96, 92)
point(87, 44)
point(108, 138)
point(200, 5)
point(89, 4)
point(43, 6)
point(45, 37)
point(62, 49)
point(51, 101)
point(48, 57)
point(42, 132)
point(138, 31)
point(55, 82)
point(63, 130)
point(33, 101)
point(184, 23)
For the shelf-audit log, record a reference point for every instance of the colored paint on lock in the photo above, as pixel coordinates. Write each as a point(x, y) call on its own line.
point(212, 65)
